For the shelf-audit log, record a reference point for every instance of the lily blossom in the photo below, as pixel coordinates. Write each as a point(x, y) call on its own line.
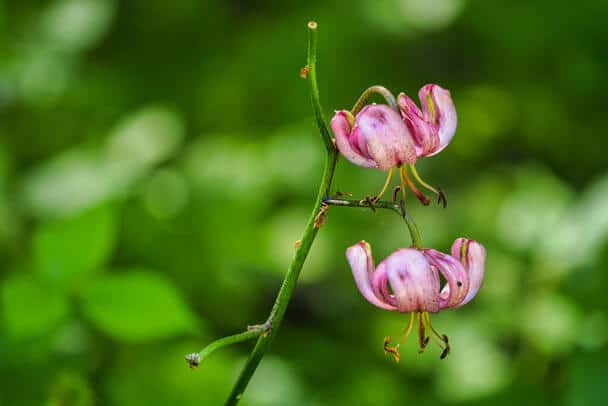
point(408, 281)
point(434, 127)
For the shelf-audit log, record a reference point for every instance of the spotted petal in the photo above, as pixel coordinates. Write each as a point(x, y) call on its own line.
point(387, 138)
point(473, 257)
point(458, 284)
point(414, 282)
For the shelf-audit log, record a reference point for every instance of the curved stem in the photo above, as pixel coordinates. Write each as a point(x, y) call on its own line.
point(369, 92)
point(310, 232)
point(195, 359)
point(383, 204)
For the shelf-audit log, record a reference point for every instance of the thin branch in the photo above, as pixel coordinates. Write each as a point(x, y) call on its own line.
point(383, 204)
point(195, 359)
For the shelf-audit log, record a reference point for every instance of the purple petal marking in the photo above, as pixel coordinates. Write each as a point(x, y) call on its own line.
point(414, 283)
point(389, 142)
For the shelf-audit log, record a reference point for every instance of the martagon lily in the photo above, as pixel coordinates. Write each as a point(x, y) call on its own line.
point(408, 281)
point(383, 138)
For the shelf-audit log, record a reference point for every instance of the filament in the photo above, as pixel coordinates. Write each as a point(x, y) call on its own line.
point(387, 183)
point(405, 178)
point(440, 195)
point(440, 339)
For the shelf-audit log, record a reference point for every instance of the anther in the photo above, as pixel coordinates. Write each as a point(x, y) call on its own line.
point(442, 199)
point(396, 190)
point(391, 350)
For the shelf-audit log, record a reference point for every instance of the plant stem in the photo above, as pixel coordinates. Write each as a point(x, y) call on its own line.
point(369, 92)
point(310, 232)
point(383, 204)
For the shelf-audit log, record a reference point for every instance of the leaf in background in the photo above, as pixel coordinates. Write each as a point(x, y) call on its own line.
point(68, 249)
point(30, 308)
point(137, 305)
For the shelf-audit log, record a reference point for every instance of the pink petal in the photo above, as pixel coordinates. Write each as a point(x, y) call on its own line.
point(362, 264)
point(341, 126)
point(425, 135)
point(414, 283)
point(439, 110)
point(473, 256)
point(457, 278)
point(388, 139)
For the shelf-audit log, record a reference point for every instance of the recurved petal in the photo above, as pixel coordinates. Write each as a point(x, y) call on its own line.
point(439, 110)
point(341, 125)
point(360, 258)
point(457, 278)
point(414, 283)
point(388, 139)
point(473, 257)
point(425, 135)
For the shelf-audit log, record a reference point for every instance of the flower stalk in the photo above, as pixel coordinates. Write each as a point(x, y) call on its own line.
point(310, 232)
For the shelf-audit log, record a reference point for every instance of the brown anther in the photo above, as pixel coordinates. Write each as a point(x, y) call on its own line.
point(442, 199)
point(304, 72)
point(193, 360)
point(446, 350)
point(391, 350)
point(396, 191)
point(322, 216)
point(297, 244)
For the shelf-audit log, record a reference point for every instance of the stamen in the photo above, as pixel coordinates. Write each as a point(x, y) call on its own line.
point(441, 197)
point(396, 190)
point(405, 333)
point(423, 339)
point(402, 183)
point(405, 178)
point(440, 339)
point(391, 350)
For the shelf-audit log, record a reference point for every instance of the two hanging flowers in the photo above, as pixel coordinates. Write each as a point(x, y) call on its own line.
point(393, 137)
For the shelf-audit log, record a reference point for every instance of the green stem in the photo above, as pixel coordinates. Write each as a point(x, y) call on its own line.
point(369, 92)
point(383, 204)
point(310, 232)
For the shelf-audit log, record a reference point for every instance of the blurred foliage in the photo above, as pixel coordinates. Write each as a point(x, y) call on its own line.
point(158, 161)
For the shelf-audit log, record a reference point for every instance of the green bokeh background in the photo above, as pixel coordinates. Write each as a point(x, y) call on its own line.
point(158, 160)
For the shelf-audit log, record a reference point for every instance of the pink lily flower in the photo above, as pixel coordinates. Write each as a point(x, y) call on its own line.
point(379, 138)
point(408, 281)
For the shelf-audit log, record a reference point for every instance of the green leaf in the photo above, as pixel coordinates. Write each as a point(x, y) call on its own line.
point(66, 250)
point(30, 308)
point(137, 305)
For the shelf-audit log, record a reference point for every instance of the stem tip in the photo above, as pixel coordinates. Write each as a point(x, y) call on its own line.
point(312, 25)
